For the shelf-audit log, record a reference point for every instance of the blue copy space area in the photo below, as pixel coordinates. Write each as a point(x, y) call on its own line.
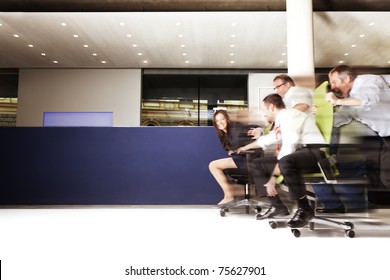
point(125, 165)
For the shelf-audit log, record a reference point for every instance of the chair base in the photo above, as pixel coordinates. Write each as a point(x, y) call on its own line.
point(250, 205)
point(347, 226)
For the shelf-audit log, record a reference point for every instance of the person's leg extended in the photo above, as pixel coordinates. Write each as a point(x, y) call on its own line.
point(292, 167)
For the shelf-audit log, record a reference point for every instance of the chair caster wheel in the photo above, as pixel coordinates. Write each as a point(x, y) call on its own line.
point(296, 232)
point(311, 226)
point(350, 233)
point(258, 209)
point(273, 224)
point(351, 225)
point(222, 213)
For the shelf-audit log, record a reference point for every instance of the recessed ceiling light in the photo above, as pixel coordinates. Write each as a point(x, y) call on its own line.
point(1, 24)
point(103, 62)
point(180, 35)
point(31, 46)
point(346, 54)
point(182, 45)
point(388, 61)
point(353, 46)
point(139, 53)
point(63, 23)
point(75, 35)
point(55, 61)
point(341, 61)
point(234, 24)
point(128, 35)
point(361, 35)
point(178, 23)
point(145, 61)
point(232, 46)
point(233, 36)
point(134, 45)
point(231, 54)
point(122, 24)
point(184, 54)
point(16, 36)
point(284, 54)
point(232, 61)
point(94, 54)
point(43, 54)
point(281, 61)
point(85, 46)
point(187, 61)
point(371, 24)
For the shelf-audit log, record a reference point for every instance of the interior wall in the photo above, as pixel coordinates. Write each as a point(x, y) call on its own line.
point(79, 90)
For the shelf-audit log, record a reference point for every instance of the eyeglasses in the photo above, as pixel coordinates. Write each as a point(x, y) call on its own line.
point(275, 88)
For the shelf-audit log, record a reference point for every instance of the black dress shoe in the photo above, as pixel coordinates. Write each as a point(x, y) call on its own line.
point(330, 210)
point(301, 218)
point(274, 212)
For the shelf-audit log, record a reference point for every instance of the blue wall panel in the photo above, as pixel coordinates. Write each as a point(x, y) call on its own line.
point(87, 165)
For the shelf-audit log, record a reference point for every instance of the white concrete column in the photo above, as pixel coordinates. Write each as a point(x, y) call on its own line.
point(300, 45)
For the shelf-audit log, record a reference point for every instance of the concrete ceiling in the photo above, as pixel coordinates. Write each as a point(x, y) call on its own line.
point(185, 34)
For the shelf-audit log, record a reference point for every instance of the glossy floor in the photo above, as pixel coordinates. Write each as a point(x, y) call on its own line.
point(101, 242)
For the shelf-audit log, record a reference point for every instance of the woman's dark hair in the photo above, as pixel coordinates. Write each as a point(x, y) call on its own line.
point(275, 99)
point(221, 134)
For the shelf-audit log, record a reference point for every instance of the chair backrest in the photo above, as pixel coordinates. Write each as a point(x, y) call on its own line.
point(324, 114)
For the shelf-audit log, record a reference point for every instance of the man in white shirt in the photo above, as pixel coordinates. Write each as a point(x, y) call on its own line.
point(365, 98)
point(293, 129)
point(293, 96)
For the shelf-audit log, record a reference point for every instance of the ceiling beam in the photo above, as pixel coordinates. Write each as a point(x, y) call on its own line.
point(183, 5)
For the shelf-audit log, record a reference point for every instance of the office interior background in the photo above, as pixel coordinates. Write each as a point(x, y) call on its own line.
point(132, 64)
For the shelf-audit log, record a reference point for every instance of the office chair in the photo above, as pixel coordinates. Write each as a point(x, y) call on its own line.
point(242, 177)
point(329, 172)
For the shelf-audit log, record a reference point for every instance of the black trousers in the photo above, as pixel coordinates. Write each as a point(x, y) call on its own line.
point(293, 167)
point(261, 170)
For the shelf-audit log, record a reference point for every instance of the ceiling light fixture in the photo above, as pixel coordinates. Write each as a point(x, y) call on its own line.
point(231, 54)
point(233, 36)
point(184, 54)
point(43, 54)
point(361, 35)
point(75, 35)
point(145, 61)
point(182, 45)
point(341, 61)
point(134, 45)
point(31, 46)
point(232, 61)
point(63, 24)
point(103, 62)
point(85, 46)
point(16, 36)
point(55, 61)
point(139, 53)
point(346, 54)
point(180, 35)
point(94, 54)
point(234, 24)
point(371, 24)
point(232, 46)
point(178, 23)
point(187, 61)
point(353, 46)
point(128, 35)
point(122, 24)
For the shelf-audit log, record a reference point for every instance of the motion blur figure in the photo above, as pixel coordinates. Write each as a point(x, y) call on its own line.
point(366, 99)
